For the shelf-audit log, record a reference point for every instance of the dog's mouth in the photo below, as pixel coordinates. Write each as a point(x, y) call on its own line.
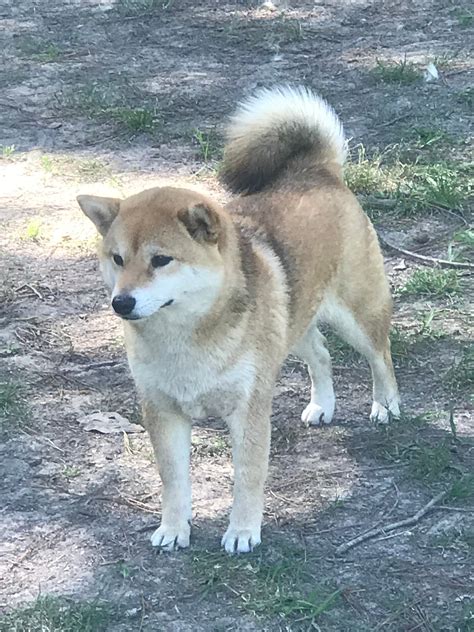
point(133, 317)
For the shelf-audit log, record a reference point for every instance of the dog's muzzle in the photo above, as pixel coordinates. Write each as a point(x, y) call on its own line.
point(123, 304)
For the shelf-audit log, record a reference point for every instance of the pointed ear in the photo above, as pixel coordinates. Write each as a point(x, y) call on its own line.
point(100, 210)
point(201, 222)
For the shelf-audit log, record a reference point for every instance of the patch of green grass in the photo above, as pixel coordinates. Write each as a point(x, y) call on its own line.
point(461, 247)
point(51, 614)
point(10, 399)
point(125, 570)
point(425, 330)
point(402, 442)
point(466, 97)
point(71, 472)
point(464, 17)
point(290, 29)
point(401, 72)
point(110, 105)
point(91, 169)
point(440, 184)
point(466, 624)
point(47, 163)
point(400, 343)
point(364, 174)
point(427, 462)
point(443, 61)
point(135, 119)
point(283, 586)
point(33, 229)
point(465, 237)
point(455, 539)
point(428, 136)
point(429, 454)
point(37, 49)
point(48, 54)
point(460, 376)
point(91, 100)
point(129, 8)
point(340, 351)
point(406, 341)
point(7, 151)
point(208, 145)
point(84, 169)
point(462, 489)
point(405, 187)
point(432, 282)
point(210, 446)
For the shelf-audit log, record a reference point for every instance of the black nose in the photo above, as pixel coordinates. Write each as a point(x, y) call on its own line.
point(123, 304)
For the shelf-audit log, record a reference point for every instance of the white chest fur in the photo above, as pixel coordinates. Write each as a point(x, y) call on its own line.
point(169, 369)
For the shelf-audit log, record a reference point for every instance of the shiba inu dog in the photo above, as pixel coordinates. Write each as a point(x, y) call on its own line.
point(213, 299)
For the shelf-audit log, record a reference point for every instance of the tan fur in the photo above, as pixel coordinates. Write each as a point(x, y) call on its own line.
point(251, 283)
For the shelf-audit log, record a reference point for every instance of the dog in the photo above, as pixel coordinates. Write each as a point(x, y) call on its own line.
point(213, 298)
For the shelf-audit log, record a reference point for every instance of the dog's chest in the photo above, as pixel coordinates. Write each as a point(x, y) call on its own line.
point(200, 384)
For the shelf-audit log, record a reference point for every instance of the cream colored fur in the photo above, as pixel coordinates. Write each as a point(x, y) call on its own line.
point(242, 287)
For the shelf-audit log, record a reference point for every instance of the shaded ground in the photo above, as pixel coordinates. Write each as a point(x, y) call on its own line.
point(111, 97)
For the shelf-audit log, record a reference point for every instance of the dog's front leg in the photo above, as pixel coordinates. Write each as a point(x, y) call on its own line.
point(170, 435)
point(250, 432)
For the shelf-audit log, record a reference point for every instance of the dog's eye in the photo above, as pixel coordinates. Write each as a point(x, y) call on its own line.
point(117, 260)
point(158, 261)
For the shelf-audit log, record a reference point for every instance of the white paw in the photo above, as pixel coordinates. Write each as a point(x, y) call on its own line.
point(382, 414)
point(172, 537)
point(314, 414)
point(240, 540)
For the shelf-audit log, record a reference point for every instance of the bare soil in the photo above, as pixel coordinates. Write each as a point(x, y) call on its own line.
point(78, 507)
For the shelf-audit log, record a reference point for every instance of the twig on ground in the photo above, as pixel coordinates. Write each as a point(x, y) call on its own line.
point(56, 447)
point(394, 616)
point(460, 509)
point(31, 288)
point(299, 480)
point(123, 500)
point(443, 263)
point(371, 200)
point(407, 522)
point(283, 498)
point(448, 211)
point(95, 365)
point(402, 117)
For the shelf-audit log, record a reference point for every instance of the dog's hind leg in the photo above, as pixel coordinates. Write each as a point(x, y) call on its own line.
point(366, 328)
point(312, 350)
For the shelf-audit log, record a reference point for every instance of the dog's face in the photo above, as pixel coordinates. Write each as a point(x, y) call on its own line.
point(161, 250)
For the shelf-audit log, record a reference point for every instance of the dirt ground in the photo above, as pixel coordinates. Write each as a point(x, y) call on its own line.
point(111, 97)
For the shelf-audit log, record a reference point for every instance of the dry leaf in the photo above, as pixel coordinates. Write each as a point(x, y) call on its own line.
point(401, 265)
point(431, 73)
point(108, 423)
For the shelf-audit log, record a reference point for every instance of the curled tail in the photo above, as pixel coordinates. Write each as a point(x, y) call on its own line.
point(271, 128)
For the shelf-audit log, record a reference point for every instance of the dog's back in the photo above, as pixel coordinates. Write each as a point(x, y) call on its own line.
point(285, 155)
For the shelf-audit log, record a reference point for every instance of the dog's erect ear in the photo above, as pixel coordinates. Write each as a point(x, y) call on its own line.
point(201, 222)
point(100, 210)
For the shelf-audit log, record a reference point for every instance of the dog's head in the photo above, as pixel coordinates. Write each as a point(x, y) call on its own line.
point(161, 249)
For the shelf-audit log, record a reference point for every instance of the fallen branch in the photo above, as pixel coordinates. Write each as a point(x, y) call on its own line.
point(407, 522)
point(459, 509)
point(443, 263)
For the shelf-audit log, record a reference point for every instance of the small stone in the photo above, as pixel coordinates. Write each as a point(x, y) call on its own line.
point(422, 238)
